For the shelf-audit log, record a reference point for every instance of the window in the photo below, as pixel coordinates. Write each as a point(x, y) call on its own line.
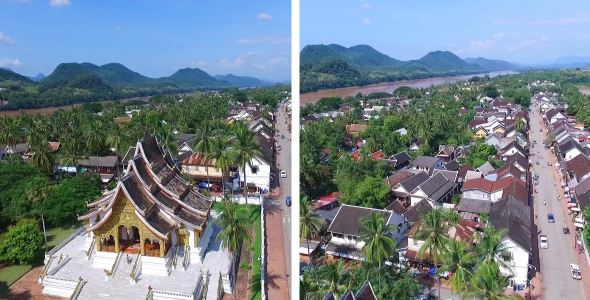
point(254, 169)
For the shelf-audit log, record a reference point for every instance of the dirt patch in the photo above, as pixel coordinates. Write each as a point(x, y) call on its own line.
point(244, 278)
point(28, 288)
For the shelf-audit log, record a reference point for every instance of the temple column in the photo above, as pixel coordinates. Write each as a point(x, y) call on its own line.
point(163, 249)
point(142, 245)
point(117, 248)
point(98, 243)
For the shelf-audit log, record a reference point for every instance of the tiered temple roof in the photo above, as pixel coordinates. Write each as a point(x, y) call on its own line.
point(162, 199)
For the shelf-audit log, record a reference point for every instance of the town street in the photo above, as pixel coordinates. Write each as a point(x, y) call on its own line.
point(557, 282)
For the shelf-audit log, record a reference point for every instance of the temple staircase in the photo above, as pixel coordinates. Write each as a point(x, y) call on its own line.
point(124, 269)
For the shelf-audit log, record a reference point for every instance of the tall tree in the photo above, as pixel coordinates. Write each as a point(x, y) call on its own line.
point(519, 124)
point(245, 148)
point(234, 221)
point(488, 283)
point(116, 138)
point(95, 138)
point(490, 245)
point(458, 260)
point(376, 234)
point(221, 153)
point(10, 134)
point(334, 277)
point(310, 225)
point(203, 143)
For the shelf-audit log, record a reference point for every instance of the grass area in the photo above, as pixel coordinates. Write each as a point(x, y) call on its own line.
point(217, 206)
point(256, 292)
point(10, 274)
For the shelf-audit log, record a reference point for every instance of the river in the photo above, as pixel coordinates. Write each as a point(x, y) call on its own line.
point(584, 89)
point(389, 87)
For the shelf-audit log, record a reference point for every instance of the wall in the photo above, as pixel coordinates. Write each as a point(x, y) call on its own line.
point(476, 194)
point(519, 262)
point(262, 177)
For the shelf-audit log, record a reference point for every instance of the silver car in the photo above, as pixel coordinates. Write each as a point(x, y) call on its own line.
point(543, 241)
point(575, 270)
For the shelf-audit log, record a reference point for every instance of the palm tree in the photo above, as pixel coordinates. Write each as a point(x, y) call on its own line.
point(488, 283)
point(245, 148)
point(220, 152)
point(433, 230)
point(202, 143)
point(167, 139)
point(490, 246)
point(309, 225)
point(38, 192)
point(10, 134)
point(519, 124)
point(376, 234)
point(458, 260)
point(235, 224)
point(42, 156)
point(115, 139)
point(333, 276)
point(94, 138)
point(310, 171)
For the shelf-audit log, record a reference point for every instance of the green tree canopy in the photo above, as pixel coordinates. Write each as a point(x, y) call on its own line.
point(23, 243)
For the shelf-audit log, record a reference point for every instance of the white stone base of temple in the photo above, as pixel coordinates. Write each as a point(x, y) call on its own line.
point(58, 287)
point(104, 260)
point(156, 265)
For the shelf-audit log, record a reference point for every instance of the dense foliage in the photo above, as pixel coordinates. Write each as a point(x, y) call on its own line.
point(23, 243)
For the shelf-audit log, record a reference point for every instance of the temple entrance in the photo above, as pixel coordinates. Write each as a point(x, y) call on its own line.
point(107, 244)
point(129, 239)
point(152, 248)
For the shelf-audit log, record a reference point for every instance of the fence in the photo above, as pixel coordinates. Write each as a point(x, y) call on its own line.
point(64, 242)
point(252, 199)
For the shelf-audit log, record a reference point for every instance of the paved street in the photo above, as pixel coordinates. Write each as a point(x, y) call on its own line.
point(557, 282)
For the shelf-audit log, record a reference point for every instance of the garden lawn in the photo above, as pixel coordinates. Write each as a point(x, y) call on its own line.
point(56, 235)
point(256, 293)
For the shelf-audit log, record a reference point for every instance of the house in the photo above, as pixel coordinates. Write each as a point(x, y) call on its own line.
point(185, 142)
point(463, 171)
point(415, 146)
point(487, 190)
point(471, 209)
point(403, 189)
point(505, 171)
point(439, 188)
point(18, 149)
point(414, 213)
point(447, 153)
point(366, 292)
point(378, 155)
point(578, 168)
point(196, 167)
point(518, 161)
point(346, 226)
point(100, 164)
point(511, 149)
point(128, 156)
point(400, 160)
point(513, 215)
point(394, 179)
point(493, 139)
point(353, 130)
point(554, 115)
point(452, 166)
point(427, 164)
point(571, 149)
point(472, 175)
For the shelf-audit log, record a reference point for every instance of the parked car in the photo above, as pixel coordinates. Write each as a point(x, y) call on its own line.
point(283, 174)
point(575, 270)
point(550, 218)
point(543, 241)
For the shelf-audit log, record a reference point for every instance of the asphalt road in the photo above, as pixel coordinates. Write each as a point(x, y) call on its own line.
point(557, 282)
point(284, 160)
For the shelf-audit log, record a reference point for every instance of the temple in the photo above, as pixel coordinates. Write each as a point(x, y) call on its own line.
point(152, 209)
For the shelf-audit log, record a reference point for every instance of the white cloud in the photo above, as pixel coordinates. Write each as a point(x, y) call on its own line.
point(199, 64)
point(6, 41)
point(479, 45)
point(267, 39)
point(236, 64)
point(365, 4)
point(499, 35)
point(59, 3)
point(582, 18)
point(263, 16)
point(9, 63)
point(366, 21)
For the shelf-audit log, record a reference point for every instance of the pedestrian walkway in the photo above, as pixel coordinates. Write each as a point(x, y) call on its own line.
point(581, 259)
point(276, 280)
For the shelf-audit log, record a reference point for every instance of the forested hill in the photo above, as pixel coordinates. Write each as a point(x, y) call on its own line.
point(492, 64)
point(85, 82)
point(335, 66)
point(243, 81)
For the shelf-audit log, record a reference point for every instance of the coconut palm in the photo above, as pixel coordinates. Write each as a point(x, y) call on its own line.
point(202, 143)
point(310, 224)
point(458, 260)
point(42, 156)
point(221, 153)
point(234, 221)
point(244, 149)
point(376, 234)
point(94, 138)
point(116, 138)
point(433, 230)
point(39, 191)
point(488, 283)
point(334, 277)
point(519, 124)
point(10, 134)
point(490, 246)
point(310, 171)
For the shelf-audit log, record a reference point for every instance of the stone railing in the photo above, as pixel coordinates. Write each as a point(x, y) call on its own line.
point(206, 288)
point(90, 250)
point(175, 257)
point(263, 253)
point(136, 270)
point(77, 289)
point(198, 290)
point(59, 287)
point(150, 294)
point(109, 274)
point(186, 259)
point(219, 288)
point(170, 295)
point(62, 261)
point(45, 268)
point(64, 242)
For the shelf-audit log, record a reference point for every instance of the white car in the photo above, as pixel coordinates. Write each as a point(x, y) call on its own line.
point(283, 174)
point(544, 242)
point(575, 270)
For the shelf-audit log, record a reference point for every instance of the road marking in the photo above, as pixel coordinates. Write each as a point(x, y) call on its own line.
point(287, 219)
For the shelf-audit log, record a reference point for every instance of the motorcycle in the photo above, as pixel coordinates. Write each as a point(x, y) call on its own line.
point(566, 230)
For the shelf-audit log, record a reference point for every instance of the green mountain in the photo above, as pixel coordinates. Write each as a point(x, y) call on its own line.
point(491, 64)
point(193, 78)
point(7, 74)
point(359, 55)
point(444, 61)
point(39, 77)
point(242, 81)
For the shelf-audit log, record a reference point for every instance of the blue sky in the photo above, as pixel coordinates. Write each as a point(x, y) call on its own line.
point(526, 31)
point(154, 38)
